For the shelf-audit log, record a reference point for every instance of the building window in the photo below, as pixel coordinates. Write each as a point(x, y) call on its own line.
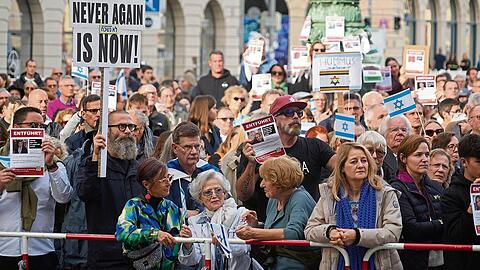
point(19, 37)
point(207, 38)
point(166, 50)
point(431, 27)
point(410, 22)
point(451, 37)
point(471, 33)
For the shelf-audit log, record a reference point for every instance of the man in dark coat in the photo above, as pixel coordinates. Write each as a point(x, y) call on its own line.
point(30, 74)
point(217, 80)
point(457, 209)
point(105, 198)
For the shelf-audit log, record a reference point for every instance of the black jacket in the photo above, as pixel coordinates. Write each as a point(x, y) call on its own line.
point(390, 163)
point(459, 228)
point(75, 141)
point(158, 122)
point(209, 85)
point(104, 201)
point(20, 82)
point(421, 223)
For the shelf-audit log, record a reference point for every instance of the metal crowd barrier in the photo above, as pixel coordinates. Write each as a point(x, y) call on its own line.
point(417, 246)
point(206, 241)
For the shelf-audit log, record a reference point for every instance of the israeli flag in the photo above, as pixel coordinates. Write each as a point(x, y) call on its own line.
point(80, 72)
point(222, 235)
point(5, 160)
point(121, 85)
point(345, 126)
point(400, 103)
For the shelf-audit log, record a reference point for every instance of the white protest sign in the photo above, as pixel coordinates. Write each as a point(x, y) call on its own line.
point(306, 28)
point(26, 156)
point(112, 98)
point(334, 28)
point(337, 72)
point(260, 84)
point(425, 87)
point(386, 83)
point(96, 88)
point(263, 136)
point(255, 52)
point(351, 44)
point(416, 60)
point(299, 58)
point(107, 33)
point(475, 203)
point(372, 74)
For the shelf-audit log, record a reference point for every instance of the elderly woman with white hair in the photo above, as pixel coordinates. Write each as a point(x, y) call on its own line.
point(212, 190)
point(377, 146)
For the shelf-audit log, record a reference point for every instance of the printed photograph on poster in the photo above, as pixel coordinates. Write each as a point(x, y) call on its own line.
point(264, 138)
point(386, 84)
point(255, 53)
point(299, 58)
point(96, 88)
point(475, 204)
point(260, 84)
point(112, 98)
point(337, 72)
point(425, 87)
point(306, 28)
point(416, 60)
point(351, 44)
point(26, 156)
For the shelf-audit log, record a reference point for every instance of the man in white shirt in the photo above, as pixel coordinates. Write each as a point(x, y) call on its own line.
point(53, 187)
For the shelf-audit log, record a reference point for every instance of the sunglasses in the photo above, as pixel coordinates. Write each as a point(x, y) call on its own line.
point(34, 125)
point(58, 73)
point(319, 50)
point(94, 111)
point(96, 77)
point(123, 127)
point(431, 132)
point(226, 118)
point(277, 73)
point(239, 98)
point(209, 193)
point(290, 112)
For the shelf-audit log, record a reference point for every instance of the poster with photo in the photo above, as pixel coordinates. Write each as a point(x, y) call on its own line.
point(263, 136)
point(299, 58)
point(475, 204)
point(260, 84)
point(334, 28)
point(386, 84)
point(26, 156)
point(425, 87)
point(255, 52)
point(416, 60)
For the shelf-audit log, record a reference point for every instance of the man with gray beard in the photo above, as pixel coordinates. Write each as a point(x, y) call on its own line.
point(105, 197)
point(313, 155)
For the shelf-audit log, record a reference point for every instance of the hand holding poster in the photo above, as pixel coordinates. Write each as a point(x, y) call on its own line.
point(255, 53)
point(26, 156)
point(260, 84)
point(426, 88)
point(475, 204)
point(263, 136)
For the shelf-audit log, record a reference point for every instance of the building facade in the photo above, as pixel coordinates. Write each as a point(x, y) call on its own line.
point(190, 29)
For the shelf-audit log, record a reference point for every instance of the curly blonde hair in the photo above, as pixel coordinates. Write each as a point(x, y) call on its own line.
point(284, 172)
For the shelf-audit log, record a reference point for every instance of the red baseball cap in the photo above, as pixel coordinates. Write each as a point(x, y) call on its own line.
point(284, 102)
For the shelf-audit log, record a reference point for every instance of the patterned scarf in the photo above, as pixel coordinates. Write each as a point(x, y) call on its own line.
point(366, 220)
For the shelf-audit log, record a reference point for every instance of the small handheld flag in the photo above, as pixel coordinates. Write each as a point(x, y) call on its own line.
point(345, 126)
point(400, 103)
point(80, 72)
point(222, 235)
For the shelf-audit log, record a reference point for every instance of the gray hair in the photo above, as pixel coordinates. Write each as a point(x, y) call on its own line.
point(140, 116)
point(3, 90)
point(473, 100)
point(383, 128)
point(196, 185)
point(374, 138)
point(31, 83)
point(368, 114)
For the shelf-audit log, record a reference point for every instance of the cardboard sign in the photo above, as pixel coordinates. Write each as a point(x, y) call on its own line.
point(372, 74)
point(351, 44)
point(386, 83)
point(107, 33)
point(415, 60)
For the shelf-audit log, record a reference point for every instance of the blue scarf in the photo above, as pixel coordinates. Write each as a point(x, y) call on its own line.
point(366, 220)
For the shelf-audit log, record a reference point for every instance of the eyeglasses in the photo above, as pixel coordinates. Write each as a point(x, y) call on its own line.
point(379, 152)
point(58, 73)
point(239, 98)
point(431, 132)
point(29, 88)
point(96, 77)
point(277, 73)
point(398, 129)
point(319, 50)
point(94, 111)
point(452, 146)
point(123, 127)
point(34, 124)
point(290, 112)
point(209, 193)
point(475, 116)
point(226, 119)
point(165, 180)
point(189, 148)
point(355, 108)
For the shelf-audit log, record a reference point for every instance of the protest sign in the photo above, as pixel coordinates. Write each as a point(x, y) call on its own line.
point(26, 156)
point(386, 83)
point(112, 98)
point(351, 44)
point(260, 84)
point(475, 203)
point(305, 127)
point(96, 88)
point(426, 88)
point(306, 28)
point(299, 58)
point(337, 72)
point(255, 53)
point(107, 33)
point(416, 60)
point(332, 46)
point(372, 74)
point(263, 136)
point(334, 28)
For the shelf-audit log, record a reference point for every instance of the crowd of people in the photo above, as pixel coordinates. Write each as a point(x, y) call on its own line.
point(179, 160)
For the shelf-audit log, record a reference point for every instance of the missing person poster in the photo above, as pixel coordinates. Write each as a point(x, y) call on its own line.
point(475, 203)
point(425, 87)
point(299, 58)
point(334, 28)
point(416, 60)
point(386, 83)
point(260, 84)
point(255, 53)
point(26, 156)
point(263, 136)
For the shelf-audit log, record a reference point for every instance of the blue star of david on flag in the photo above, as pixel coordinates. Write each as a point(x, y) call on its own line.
point(80, 72)
point(400, 103)
point(345, 126)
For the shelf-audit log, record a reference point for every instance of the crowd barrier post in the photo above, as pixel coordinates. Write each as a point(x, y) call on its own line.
point(208, 255)
point(23, 264)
